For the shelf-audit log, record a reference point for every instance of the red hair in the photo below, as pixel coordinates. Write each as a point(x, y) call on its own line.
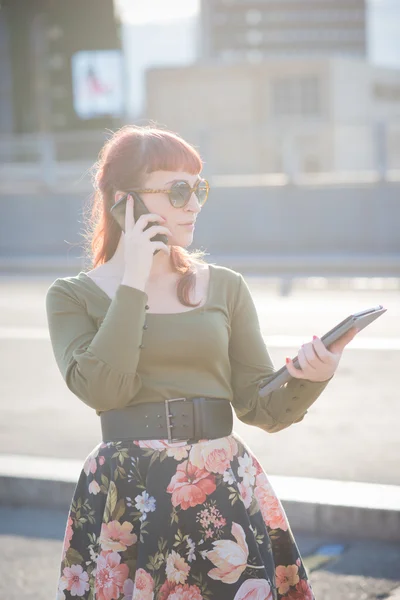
point(125, 160)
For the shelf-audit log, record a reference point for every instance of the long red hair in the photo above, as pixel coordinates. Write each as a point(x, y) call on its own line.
point(127, 157)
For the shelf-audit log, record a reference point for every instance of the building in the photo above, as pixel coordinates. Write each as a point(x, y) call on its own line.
point(155, 44)
point(45, 49)
point(252, 30)
point(283, 115)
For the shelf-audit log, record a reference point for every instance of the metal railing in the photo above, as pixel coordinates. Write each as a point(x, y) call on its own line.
point(317, 154)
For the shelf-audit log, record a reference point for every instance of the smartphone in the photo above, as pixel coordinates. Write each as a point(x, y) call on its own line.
point(139, 208)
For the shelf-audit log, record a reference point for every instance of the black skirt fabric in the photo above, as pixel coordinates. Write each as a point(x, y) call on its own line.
point(153, 520)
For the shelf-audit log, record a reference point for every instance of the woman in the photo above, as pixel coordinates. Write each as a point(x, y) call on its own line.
point(172, 504)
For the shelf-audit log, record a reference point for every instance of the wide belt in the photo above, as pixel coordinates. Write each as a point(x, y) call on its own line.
point(175, 419)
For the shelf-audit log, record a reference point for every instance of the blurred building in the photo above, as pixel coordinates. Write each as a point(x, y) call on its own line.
point(55, 59)
point(284, 114)
point(155, 44)
point(252, 30)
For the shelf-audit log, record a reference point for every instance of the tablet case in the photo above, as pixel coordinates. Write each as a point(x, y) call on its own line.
point(360, 320)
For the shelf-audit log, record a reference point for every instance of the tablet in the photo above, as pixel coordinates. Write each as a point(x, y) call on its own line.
point(360, 320)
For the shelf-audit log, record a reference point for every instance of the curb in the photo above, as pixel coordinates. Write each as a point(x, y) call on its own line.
point(317, 506)
point(290, 266)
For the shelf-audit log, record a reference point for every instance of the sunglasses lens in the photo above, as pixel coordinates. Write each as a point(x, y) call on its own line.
point(180, 193)
point(202, 192)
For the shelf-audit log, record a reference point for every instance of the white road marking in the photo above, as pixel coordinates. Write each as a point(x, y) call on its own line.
point(272, 341)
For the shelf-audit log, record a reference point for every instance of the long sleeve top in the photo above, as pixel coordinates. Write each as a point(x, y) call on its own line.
point(113, 353)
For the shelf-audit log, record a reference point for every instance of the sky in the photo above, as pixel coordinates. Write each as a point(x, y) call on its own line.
point(383, 22)
point(147, 11)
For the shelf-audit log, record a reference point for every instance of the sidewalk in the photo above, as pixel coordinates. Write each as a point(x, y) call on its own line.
point(317, 506)
point(385, 268)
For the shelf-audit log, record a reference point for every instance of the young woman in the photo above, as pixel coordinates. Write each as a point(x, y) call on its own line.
point(172, 504)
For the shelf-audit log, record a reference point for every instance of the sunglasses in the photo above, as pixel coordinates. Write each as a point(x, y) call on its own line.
point(180, 192)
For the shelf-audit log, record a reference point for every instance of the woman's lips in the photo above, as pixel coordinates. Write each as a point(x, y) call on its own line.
point(189, 226)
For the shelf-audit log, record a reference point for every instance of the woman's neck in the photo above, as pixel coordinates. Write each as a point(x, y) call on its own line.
point(116, 264)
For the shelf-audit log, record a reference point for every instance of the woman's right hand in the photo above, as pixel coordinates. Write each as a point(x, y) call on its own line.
point(138, 246)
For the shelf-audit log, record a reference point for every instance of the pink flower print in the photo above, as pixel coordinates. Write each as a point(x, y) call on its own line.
point(211, 521)
point(214, 455)
point(285, 577)
point(152, 444)
point(117, 537)
point(185, 592)
point(128, 589)
point(144, 586)
point(177, 569)
point(178, 453)
point(69, 532)
point(166, 589)
point(257, 466)
point(270, 506)
point(75, 580)
point(94, 487)
point(229, 558)
point(254, 589)
point(246, 470)
point(246, 494)
point(159, 444)
point(110, 576)
point(102, 460)
point(190, 486)
point(90, 464)
point(302, 591)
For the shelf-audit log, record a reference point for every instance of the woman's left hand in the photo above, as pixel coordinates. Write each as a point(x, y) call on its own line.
point(317, 362)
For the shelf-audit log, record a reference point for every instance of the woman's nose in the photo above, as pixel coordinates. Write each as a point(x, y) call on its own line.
point(193, 203)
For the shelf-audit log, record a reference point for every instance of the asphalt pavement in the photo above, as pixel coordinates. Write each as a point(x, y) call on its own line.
point(339, 569)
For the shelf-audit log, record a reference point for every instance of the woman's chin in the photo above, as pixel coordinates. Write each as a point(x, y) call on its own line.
point(182, 240)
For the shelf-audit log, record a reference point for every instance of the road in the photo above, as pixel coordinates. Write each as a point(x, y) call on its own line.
point(30, 550)
point(350, 433)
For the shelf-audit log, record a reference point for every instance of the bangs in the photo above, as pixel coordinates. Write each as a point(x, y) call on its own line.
point(164, 151)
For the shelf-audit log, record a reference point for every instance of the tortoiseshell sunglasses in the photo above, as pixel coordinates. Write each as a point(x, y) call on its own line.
point(180, 192)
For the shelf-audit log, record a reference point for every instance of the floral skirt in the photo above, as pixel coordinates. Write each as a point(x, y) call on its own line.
point(152, 520)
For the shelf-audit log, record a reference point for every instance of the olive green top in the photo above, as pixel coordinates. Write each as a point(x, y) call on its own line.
point(115, 352)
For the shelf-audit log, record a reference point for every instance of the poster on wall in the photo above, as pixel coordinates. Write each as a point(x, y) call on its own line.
point(97, 83)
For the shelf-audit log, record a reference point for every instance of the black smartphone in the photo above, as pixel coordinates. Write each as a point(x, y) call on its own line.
point(139, 208)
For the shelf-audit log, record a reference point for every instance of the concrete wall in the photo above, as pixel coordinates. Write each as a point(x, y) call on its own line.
point(356, 221)
point(230, 112)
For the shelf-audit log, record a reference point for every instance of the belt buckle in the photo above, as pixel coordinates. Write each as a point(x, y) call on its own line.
point(168, 416)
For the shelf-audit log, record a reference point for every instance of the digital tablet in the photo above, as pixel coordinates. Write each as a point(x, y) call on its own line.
point(360, 320)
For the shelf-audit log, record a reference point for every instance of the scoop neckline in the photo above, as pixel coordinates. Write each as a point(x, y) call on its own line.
point(192, 310)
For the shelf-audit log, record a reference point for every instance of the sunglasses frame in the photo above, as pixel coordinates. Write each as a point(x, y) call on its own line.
point(170, 191)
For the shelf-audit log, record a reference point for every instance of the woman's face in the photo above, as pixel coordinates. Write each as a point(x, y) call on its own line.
point(177, 219)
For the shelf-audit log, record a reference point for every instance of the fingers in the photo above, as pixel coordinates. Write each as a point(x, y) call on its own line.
point(161, 246)
point(155, 229)
point(320, 350)
point(293, 371)
point(338, 346)
point(304, 361)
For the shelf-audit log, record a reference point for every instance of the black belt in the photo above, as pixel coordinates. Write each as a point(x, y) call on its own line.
point(175, 419)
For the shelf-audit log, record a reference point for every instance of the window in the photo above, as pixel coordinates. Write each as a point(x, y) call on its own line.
point(253, 17)
point(296, 97)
